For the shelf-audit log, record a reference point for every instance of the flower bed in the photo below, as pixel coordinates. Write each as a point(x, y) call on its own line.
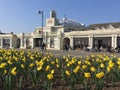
point(33, 70)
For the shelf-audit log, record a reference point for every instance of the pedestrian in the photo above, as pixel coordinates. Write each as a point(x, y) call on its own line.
point(42, 47)
point(45, 46)
point(67, 47)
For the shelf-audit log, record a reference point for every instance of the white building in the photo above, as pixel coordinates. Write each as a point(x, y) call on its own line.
point(57, 33)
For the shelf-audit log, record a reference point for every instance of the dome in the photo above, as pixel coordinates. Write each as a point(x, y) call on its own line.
point(69, 22)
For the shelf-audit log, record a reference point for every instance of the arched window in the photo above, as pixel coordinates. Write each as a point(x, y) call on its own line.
point(52, 43)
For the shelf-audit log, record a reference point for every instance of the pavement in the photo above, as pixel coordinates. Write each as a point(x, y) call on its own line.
point(78, 53)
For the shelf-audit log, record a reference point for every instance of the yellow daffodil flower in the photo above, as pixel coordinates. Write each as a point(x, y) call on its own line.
point(22, 66)
point(31, 65)
point(47, 68)
point(52, 71)
point(13, 71)
point(102, 65)
point(84, 66)
point(2, 65)
point(39, 68)
point(92, 69)
point(5, 71)
point(100, 75)
point(50, 76)
point(67, 72)
point(87, 75)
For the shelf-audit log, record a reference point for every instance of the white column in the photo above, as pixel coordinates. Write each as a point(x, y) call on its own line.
point(71, 43)
point(112, 41)
point(60, 40)
point(115, 41)
point(24, 41)
point(32, 42)
point(58, 44)
point(21, 42)
point(1, 42)
point(10, 42)
point(48, 43)
point(91, 41)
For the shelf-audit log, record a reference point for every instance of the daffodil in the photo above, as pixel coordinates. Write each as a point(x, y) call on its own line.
point(57, 66)
point(67, 60)
point(52, 62)
point(102, 65)
point(92, 55)
point(87, 62)
point(47, 68)
point(67, 72)
point(79, 62)
point(50, 76)
point(93, 69)
point(119, 67)
point(73, 61)
point(24, 59)
point(52, 71)
point(118, 62)
point(84, 66)
point(56, 60)
point(108, 69)
point(22, 66)
point(76, 69)
point(111, 64)
point(13, 71)
point(2, 65)
point(5, 71)
point(31, 65)
point(10, 62)
point(100, 75)
point(39, 68)
point(68, 64)
point(32, 58)
point(87, 75)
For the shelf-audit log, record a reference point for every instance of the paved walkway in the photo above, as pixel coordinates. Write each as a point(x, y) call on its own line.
point(78, 53)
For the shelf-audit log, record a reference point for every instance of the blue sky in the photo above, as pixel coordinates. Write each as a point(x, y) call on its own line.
point(19, 16)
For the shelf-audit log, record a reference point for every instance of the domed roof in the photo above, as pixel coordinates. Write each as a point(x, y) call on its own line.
point(69, 22)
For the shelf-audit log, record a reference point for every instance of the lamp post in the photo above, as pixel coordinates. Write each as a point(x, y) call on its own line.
point(41, 12)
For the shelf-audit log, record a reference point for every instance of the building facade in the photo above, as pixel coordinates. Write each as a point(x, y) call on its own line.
point(58, 33)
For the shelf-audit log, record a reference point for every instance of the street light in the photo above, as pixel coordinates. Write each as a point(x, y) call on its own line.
point(41, 12)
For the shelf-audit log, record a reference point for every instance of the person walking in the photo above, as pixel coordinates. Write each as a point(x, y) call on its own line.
point(42, 47)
